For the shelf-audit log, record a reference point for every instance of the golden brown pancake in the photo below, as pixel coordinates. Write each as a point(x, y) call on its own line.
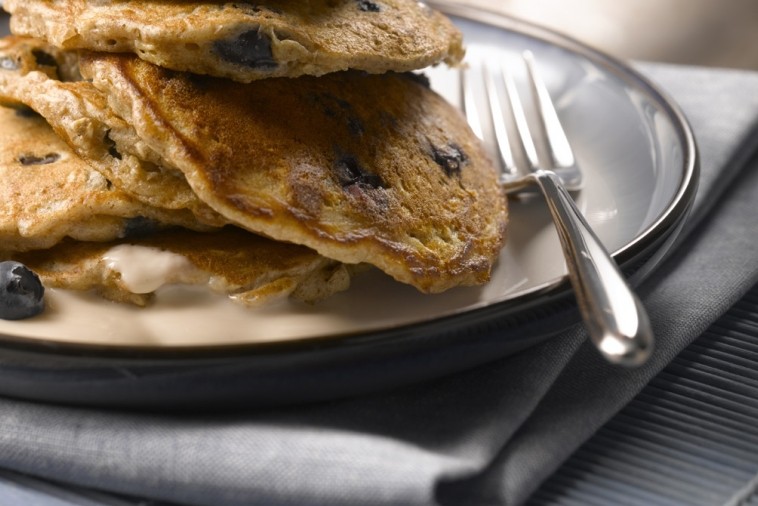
point(360, 167)
point(47, 192)
point(245, 41)
point(249, 268)
point(37, 76)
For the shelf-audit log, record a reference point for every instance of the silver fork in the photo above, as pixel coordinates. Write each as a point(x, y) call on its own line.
point(617, 322)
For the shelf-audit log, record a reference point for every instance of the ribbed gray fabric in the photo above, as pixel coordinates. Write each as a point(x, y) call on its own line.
point(689, 438)
point(751, 500)
point(20, 490)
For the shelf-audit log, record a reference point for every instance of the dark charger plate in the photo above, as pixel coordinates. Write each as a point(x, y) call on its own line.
point(642, 170)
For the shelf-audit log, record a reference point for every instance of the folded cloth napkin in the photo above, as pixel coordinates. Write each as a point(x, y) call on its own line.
point(489, 435)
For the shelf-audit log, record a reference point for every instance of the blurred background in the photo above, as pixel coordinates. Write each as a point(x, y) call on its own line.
point(718, 33)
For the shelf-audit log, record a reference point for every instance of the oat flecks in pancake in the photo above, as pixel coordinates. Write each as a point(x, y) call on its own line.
point(47, 192)
point(245, 41)
point(251, 269)
point(35, 76)
point(362, 168)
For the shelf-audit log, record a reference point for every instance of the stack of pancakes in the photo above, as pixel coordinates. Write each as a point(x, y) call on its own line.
point(268, 146)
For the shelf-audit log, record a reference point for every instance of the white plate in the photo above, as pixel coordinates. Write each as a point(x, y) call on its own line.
point(639, 160)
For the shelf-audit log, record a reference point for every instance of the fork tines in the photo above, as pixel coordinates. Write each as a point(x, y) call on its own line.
point(494, 130)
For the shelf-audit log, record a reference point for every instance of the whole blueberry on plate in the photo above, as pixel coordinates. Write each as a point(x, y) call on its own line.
point(21, 292)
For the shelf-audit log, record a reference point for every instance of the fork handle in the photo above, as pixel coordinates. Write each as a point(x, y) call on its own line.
point(614, 316)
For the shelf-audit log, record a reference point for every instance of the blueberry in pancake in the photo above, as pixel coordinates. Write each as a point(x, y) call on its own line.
point(245, 40)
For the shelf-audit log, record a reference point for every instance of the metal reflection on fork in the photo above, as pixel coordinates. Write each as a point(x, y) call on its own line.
point(615, 319)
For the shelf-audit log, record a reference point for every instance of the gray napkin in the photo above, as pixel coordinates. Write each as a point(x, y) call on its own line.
point(489, 435)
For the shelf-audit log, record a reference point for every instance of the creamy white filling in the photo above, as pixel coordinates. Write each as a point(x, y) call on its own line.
point(144, 269)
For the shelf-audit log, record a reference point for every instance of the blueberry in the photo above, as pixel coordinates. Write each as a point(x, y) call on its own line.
point(44, 59)
point(38, 160)
point(350, 172)
point(451, 158)
point(139, 226)
point(336, 107)
point(368, 6)
point(21, 292)
point(23, 111)
point(111, 145)
point(250, 49)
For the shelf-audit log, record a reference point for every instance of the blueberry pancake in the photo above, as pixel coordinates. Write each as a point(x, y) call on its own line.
point(36, 76)
point(250, 269)
point(245, 41)
point(360, 167)
point(47, 192)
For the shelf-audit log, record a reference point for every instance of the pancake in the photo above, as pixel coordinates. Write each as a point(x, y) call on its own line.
point(46, 80)
point(251, 269)
point(245, 41)
point(362, 168)
point(47, 192)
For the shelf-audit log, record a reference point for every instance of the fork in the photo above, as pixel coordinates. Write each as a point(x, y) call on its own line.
point(617, 322)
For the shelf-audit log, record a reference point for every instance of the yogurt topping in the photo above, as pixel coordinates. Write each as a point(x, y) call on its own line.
point(144, 269)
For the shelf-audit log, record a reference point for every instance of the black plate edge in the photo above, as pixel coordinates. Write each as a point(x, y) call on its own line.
point(17, 348)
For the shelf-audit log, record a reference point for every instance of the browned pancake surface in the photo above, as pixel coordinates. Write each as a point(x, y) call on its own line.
point(47, 192)
point(35, 76)
point(249, 40)
point(360, 167)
